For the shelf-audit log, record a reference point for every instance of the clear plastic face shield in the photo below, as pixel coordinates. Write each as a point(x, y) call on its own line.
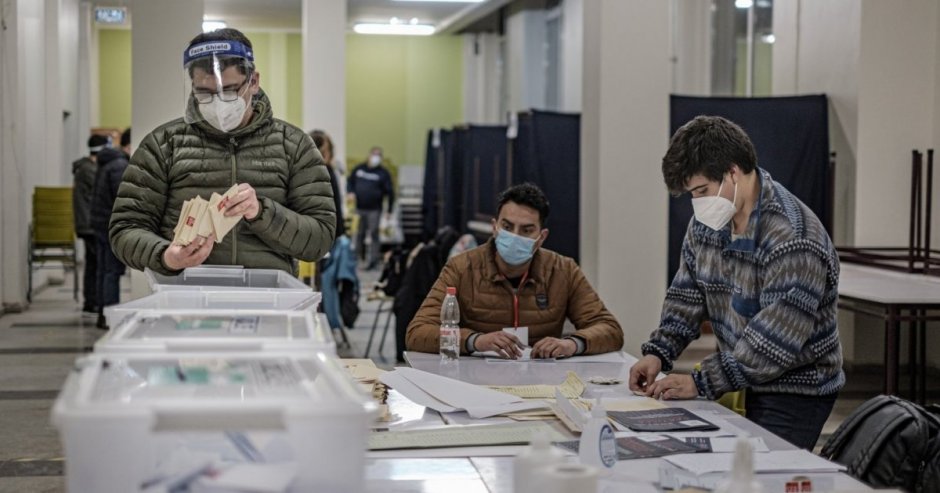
point(217, 80)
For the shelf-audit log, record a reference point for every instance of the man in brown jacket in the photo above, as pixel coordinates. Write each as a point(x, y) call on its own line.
point(510, 281)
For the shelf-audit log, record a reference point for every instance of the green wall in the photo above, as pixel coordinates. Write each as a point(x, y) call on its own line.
point(114, 78)
point(397, 87)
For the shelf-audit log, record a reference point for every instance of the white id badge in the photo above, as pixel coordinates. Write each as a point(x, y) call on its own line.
point(521, 333)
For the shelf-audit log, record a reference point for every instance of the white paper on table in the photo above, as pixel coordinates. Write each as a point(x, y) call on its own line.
point(450, 452)
point(256, 478)
point(448, 395)
point(778, 461)
point(414, 393)
point(454, 392)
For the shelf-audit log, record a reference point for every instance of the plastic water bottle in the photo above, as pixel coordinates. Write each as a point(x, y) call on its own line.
point(539, 454)
point(450, 327)
point(598, 445)
point(742, 470)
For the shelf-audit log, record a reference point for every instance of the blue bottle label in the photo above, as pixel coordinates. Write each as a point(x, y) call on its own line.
point(608, 446)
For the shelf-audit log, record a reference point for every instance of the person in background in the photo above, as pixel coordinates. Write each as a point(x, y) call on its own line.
point(371, 184)
point(325, 145)
point(227, 135)
point(111, 166)
point(511, 281)
point(83, 190)
point(759, 265)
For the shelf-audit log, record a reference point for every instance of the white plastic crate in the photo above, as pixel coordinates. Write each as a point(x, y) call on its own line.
point(228, 301)
point(187, 331)
point(227, 277)
point(153, 423)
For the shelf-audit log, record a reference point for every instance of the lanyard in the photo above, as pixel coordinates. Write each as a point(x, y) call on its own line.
point(515, 300)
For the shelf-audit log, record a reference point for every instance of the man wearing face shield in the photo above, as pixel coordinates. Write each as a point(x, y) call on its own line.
point(227, 136)
point(510, 282)
point(759, 265)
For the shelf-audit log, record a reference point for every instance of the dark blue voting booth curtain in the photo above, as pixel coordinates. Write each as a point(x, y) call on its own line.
point(547, 152)
point(437, 180)
point(791, 136)
point(484, 171)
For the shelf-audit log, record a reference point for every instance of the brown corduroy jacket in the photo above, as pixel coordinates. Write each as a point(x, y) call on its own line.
point(554, 290)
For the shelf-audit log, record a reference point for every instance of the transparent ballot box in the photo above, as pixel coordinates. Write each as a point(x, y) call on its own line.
point(226, 277)
point(147, 423)
point(186, 331)
point(216, 300)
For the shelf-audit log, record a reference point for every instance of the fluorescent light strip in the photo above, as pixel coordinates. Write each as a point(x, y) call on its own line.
point(208, 26)
point(396, 29)
point(443, 1)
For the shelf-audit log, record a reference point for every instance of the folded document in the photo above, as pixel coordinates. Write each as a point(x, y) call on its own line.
point(447, 395)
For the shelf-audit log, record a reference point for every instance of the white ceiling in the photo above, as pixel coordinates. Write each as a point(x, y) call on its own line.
point(285, 14)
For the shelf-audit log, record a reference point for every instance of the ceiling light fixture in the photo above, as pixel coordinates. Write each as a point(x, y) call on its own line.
point(209, 26)
point(743, 4)
point(444, 1)
point(394, 29)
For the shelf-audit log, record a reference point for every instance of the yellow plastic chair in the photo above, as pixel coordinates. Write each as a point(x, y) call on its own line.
point(732, 400)
point(52, 234)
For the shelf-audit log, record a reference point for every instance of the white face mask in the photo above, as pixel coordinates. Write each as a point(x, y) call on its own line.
point(715, 211)
point(224, 115)
point(375, 160)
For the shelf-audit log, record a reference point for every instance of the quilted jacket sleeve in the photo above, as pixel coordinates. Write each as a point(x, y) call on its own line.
point(138, 209)
point(596, 326)
point(303, 227)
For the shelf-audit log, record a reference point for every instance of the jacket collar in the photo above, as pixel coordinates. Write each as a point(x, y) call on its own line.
point(491, 270)
point(751, 238)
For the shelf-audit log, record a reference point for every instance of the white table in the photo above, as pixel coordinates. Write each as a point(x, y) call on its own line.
point(494, 474)
point(888, 295)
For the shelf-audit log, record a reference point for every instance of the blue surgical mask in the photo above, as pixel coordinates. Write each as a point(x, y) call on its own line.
point(514, 249)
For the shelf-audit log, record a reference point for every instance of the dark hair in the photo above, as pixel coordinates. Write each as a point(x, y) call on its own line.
point(97, 140)
point(227, 34)
point(126, 137)
point(320, 138)
point(707, 145)
point(528, 195)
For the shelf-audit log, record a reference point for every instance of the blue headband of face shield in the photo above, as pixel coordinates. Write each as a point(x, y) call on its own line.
point(217, 48)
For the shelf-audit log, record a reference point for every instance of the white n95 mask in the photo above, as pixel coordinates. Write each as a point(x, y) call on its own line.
point(224, 115)
point(715, 211)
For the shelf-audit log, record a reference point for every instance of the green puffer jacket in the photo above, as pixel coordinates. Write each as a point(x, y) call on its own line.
point(178, 161)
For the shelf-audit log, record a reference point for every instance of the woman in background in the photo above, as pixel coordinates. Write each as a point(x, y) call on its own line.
point(325, 144)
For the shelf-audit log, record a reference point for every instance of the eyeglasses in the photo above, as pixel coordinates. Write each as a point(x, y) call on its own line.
point(205, 96)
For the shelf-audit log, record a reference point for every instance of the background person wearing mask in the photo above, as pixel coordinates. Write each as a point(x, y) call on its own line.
point(325, 145)
point(111, 166)
point(227, 135)
point(83, 190)
point(370, 184)
point(511, 281)
point(760, 266)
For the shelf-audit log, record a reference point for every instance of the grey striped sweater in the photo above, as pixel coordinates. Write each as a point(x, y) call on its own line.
point(771, 296)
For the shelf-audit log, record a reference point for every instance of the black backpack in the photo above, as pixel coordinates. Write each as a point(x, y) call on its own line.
point(393, 272)
point(348, 302)
point(889, 442)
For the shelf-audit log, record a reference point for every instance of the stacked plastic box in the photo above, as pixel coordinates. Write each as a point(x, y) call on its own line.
point(223, 379)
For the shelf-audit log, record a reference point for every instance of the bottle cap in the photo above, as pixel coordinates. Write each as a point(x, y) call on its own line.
point(540, 442)
point(598, 410)
point(452, 290)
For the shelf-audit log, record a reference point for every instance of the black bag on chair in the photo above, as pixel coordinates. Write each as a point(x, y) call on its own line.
point(889, 442)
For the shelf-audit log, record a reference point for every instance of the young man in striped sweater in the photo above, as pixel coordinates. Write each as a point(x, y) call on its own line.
point(758, 264)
